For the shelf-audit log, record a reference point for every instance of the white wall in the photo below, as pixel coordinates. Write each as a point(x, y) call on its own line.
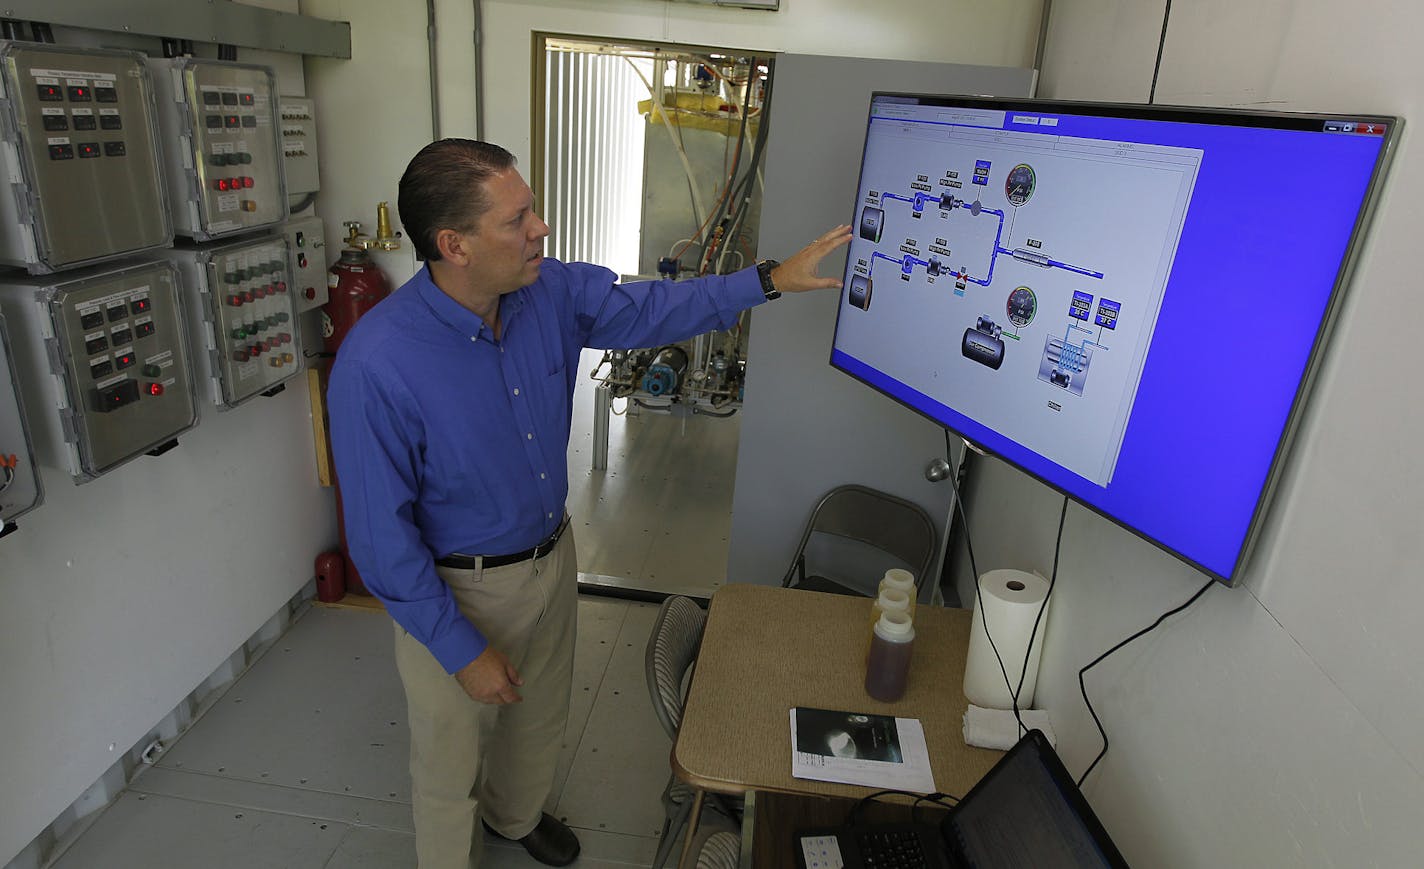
point(380, 100)
point(1277, 723)
point(952, 31)
point(122, 595)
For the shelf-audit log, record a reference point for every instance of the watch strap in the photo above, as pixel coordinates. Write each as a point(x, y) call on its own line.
point(768, 288)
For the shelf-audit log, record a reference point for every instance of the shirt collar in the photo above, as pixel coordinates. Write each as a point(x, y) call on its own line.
point(457, 316)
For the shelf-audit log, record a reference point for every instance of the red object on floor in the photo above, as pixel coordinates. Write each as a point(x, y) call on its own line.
point(330, 577)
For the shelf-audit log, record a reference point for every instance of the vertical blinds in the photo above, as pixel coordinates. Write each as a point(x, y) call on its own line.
point(593, 157)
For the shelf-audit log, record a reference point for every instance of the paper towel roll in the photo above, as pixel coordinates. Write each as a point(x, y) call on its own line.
point(1010, 603)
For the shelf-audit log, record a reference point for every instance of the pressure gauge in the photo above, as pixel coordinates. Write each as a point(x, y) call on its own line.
point(1023, 304)
point(1019, 185)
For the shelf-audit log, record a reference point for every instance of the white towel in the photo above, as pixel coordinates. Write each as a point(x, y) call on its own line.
point(997, 728)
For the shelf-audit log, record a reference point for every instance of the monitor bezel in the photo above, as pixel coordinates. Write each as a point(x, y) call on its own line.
point(1349, 262)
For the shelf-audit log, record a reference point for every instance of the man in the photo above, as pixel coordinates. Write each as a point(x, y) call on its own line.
point(450, 408)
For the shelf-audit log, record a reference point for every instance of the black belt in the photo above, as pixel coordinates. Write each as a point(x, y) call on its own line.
point(460, 561)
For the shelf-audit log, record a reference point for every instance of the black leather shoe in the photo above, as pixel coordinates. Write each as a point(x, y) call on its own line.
point(551, 842)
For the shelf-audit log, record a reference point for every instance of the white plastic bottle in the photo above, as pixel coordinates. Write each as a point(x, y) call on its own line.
point(900, 580)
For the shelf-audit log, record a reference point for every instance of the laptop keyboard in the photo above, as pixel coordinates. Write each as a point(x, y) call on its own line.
point(892, 849)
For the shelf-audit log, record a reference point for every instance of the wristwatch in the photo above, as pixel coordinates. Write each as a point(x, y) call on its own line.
point(764, 272)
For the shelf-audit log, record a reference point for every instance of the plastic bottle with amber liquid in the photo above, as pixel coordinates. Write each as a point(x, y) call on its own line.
point(887, 667)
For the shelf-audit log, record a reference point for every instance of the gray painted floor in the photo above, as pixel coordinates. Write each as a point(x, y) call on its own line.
point(302, 762)
point(660, 515)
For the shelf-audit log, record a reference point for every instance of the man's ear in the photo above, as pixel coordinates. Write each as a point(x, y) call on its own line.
point(453, 246)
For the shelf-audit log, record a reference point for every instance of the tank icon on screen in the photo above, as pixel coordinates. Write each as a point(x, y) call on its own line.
point(872, 221)
point(983, 344)
point(860, 289)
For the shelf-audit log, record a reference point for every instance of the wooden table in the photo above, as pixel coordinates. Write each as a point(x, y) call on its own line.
point(767, 649)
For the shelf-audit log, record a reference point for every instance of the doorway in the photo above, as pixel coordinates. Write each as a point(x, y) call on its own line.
point(646, 160)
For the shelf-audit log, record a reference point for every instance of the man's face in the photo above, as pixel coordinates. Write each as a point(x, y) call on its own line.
point(507, 245)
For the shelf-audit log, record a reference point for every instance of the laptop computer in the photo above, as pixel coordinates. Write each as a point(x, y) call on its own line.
point(1025, 812)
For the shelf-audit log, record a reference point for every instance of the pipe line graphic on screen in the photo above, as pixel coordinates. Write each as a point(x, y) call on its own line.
point(1065, 360)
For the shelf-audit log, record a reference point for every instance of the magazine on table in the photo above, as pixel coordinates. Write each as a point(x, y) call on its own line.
point(858, 748)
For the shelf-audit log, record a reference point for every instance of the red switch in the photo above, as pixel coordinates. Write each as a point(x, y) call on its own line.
point(155, 389)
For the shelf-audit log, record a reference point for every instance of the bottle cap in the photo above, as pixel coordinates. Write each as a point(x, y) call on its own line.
point(896, 578)
point(893, 600)
point(895, 626)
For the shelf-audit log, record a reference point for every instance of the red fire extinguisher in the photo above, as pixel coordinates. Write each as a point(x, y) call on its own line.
point(355, 284)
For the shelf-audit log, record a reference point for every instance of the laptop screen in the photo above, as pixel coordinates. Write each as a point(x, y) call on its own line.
point(1027, 812)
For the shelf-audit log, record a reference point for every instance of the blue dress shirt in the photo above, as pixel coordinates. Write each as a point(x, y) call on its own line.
point(447, 440)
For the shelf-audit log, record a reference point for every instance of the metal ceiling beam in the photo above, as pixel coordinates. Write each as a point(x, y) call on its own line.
point(217, 21)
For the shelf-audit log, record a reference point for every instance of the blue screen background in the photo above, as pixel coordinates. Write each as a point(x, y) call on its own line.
point(1270, 220)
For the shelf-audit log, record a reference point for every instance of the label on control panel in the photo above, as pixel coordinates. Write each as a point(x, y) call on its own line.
point(227, 202)
point(105, 384)
point(73, 76)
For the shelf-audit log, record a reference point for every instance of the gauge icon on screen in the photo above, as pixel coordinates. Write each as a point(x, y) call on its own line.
point(1022, 306)
point(1018, 187)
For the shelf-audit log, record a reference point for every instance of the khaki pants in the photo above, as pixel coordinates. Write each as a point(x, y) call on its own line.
point(469, 759)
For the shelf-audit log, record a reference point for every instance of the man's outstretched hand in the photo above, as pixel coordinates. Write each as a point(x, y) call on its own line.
point(798, 273)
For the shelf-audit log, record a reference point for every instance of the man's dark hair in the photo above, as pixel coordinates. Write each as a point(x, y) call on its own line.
point(443, 188)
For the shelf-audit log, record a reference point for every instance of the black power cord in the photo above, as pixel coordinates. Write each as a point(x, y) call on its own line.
point(1099, 659)
point(1052, 581)
point(935, 797)
point(979, 592)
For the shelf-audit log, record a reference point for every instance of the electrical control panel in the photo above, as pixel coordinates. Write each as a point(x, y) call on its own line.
point(306, 239)
point(80, 144)
point(20, 490)
point(247, 334)
point(223, 152)
point(299, 145)
point(109, 376)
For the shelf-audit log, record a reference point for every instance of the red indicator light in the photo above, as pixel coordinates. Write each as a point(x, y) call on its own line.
point(248, 297)
point(239, 356)
point(246, 181)
point(235, 301)
point(155, 389)
point(281, 286)
point(222, 184)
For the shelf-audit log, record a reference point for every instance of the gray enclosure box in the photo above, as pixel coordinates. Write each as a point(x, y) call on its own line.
point(105, 354)
point(246, 341)
point(80, 144)
point(223, 156)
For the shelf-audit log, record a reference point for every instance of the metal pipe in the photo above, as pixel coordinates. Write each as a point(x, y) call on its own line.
point(479, 73)
point(1042, 40)
point(430, 34)
point(602, 408)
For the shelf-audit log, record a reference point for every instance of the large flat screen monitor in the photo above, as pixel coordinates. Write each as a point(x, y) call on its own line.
point(1125, 301)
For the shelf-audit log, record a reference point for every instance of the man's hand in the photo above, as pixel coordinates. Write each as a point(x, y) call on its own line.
point(490, 678)
point(798, 274)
